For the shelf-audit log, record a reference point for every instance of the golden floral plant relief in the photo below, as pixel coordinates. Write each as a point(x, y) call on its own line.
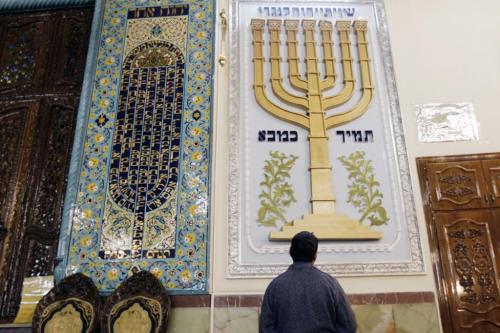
point(277, 192)
point(364, 190)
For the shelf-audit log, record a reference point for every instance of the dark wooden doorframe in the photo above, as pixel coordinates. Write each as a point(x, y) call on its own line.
point(42, 61)
point(480, 203)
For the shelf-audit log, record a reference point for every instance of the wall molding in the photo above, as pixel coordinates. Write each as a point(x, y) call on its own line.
point(241, 301)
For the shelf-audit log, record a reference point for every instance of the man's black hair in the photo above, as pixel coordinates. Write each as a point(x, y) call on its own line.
point(304, 247)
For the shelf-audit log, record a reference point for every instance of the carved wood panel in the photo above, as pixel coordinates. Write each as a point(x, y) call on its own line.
point(23, 55)
point(42, 60)
point(43, 222)
point(18, 123)
point(482, 327)
point(457, 185)
point(11, 138)
point(58, 117)
point(35, 229)
point(69, 53)
point(492, 175)
point(470, 261)
point(464, 233)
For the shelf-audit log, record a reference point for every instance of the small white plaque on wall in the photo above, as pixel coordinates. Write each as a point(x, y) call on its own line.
point(440, 122)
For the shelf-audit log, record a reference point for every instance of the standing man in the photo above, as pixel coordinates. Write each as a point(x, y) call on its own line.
point(304, 299)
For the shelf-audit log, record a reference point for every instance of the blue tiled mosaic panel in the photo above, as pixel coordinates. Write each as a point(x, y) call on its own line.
point(145, 157)
point(142, 190)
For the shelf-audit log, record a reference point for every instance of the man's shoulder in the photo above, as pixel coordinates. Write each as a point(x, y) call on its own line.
point(325, 277)
point(312, 272)
point(282, 277)
point(322, 273)
point(277, 283)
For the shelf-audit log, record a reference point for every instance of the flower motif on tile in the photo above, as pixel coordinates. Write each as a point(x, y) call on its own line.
point(86, 241)
point(87, 213)
point(104, 103)
point(196, 131)
point(197, 156)
point(93, 162)
point(156, 30)
point(157, 272)
point(109, 61)
point(186, 276)
point(101, 120)
point(104, 81)
point(92, 187)
point(189, 238)
point(196, 115)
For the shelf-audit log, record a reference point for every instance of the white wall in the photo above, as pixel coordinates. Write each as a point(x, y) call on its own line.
point(444, 51)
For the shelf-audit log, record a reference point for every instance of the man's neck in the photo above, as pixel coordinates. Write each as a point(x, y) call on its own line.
point(302, 263)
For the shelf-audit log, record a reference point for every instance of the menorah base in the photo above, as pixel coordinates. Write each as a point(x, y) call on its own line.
point(327, 227)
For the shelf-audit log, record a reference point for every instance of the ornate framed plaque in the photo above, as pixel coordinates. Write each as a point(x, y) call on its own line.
point(138, 189)
point(316, 140)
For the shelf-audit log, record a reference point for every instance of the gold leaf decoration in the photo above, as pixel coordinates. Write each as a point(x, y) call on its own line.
point(277, 193)
point(364, 192)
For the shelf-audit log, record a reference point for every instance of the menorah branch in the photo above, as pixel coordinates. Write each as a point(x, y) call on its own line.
point(328, 58)
point(259, 87)
point(344, 28)
point(366, 82)
point(296, 81)
point(276, 79)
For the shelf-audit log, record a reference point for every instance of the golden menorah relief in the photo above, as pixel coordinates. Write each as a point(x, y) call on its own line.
point(309, 98)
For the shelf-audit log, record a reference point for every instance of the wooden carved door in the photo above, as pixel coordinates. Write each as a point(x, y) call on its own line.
point(492, 175)
point(463, 220)
point(42, 58)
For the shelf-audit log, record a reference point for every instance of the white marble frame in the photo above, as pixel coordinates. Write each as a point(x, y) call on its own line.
point(236, 268)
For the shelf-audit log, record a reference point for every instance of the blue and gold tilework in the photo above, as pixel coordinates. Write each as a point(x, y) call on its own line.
point(142, 197)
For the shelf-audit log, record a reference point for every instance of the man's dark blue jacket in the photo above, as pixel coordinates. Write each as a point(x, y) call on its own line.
point(306, 300)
